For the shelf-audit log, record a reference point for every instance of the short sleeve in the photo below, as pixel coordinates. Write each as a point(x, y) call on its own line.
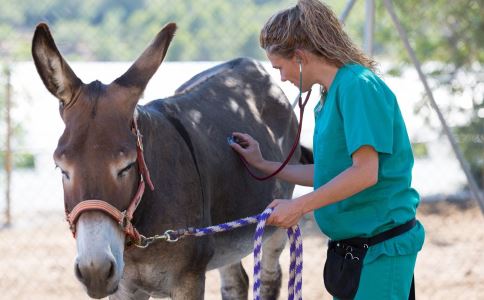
point(367, 110)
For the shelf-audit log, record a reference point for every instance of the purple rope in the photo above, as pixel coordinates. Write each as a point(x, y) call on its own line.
point(296, 250)
point(296, 263)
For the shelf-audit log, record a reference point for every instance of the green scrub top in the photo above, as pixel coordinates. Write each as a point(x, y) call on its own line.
point(359, 109)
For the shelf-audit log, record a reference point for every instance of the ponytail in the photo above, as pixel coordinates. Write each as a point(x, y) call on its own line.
point(313, 26)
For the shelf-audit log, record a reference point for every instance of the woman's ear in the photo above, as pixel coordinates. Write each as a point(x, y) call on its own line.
point(300, 56)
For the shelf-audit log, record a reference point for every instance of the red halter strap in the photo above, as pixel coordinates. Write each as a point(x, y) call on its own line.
point(123, 218)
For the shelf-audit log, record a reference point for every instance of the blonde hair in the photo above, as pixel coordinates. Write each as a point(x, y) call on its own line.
point(313, 26)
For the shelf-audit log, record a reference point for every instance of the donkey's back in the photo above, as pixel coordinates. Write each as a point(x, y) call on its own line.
point(238, 95)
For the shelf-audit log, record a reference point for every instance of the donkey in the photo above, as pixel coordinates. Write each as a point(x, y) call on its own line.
point(198, 180)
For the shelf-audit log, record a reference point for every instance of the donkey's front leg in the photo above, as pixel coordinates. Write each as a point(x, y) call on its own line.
point(189, 286)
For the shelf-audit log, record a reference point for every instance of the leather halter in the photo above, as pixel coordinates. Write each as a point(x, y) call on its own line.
point(123, 218)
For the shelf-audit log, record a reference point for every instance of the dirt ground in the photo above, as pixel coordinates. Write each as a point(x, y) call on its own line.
point(37, 257)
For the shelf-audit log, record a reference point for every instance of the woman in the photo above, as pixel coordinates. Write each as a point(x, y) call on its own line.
point(362, 154)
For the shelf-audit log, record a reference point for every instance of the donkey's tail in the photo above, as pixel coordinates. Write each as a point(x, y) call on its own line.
point(306, 157)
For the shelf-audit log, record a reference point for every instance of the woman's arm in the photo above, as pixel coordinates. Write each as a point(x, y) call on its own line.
point(362, 174)
point(249, 149)
point(297, 174)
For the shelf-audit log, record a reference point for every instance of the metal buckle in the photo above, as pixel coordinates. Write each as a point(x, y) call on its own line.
point(169, 236)
point(124, 221)
point(146, 241)
point(351, 256)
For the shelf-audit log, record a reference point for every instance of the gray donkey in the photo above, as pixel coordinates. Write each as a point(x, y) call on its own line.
point(198, 180)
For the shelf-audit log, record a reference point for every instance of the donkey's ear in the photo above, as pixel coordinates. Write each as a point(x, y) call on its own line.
point(146, 65)
point(56, 74)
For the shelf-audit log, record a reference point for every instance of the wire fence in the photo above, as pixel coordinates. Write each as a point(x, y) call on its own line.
point(38, 251)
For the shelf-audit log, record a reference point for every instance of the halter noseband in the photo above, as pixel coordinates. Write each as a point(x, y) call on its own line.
point(123, 218)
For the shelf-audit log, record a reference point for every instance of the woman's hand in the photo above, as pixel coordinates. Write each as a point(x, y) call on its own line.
point(248, 148)
point(286, 214)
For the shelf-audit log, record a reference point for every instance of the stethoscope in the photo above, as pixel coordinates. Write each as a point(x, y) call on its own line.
point(301, 104)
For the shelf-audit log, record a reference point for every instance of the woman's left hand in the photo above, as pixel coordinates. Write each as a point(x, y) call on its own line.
point(286, 213)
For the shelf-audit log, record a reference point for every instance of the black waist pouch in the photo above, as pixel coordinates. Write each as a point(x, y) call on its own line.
point(342, 269)
point(344, 261)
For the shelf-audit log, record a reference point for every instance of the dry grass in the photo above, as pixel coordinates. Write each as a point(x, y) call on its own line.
point(36, 259)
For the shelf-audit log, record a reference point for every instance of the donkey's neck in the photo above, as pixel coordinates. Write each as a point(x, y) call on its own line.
point(165, 140)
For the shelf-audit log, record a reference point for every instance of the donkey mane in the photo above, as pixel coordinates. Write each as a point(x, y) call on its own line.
point(94, 91)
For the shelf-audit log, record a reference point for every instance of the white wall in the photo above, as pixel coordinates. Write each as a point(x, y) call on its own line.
point(37, 110)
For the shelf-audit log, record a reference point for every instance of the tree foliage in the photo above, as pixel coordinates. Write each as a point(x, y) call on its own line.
point(113, 30)
point(440, 30)
point(451, 34)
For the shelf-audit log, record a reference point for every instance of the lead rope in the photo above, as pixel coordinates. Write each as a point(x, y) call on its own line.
point(295, 266)
point(296, 249)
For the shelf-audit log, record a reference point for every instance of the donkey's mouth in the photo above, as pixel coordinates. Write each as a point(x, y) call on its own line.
point(101, 294)
point(101, 290)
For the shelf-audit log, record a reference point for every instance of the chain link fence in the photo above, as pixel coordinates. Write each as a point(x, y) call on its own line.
point(36, 246)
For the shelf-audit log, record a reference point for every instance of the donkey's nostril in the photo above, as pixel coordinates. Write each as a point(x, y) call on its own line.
point(78, 272)
point(111, 271)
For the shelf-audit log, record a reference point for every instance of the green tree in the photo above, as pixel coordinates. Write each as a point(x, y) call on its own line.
point(449, 34)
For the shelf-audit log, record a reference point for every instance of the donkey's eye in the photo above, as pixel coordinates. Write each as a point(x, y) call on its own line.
point(64, 173)
point(124, 171)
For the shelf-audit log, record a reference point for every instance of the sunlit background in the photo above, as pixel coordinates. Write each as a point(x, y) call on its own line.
point(100, 39)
